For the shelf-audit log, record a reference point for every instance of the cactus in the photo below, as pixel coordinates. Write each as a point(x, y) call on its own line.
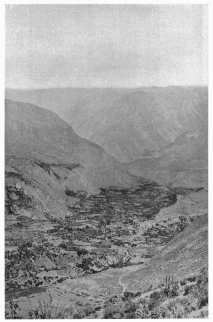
point(172, 286)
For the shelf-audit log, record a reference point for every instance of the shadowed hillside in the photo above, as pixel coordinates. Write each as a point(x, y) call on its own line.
point(183, 163)
point(160, 133)
point(45, 154)
point(128, 123)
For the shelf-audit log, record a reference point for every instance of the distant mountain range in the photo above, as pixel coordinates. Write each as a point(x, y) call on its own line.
point(161, 133)
point(128, 123)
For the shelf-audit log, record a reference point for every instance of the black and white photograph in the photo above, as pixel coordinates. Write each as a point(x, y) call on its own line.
point(106, 161)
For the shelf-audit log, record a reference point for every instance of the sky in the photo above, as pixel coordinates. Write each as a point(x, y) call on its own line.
point(106, 45)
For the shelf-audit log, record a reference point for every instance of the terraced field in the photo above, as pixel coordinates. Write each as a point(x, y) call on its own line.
point(82, 260)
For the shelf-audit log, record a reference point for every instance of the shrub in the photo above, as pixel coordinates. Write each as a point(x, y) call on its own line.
point(200, 291)
point(82, 252)
point(129, 309)
point(192, 279)
point(158, 313)
point(70, 193)
point(128, 295)
point(45, 310)
point(113, 311)
point(155, 295)
point(183, 282)
point(187, 290)
point(13, 311)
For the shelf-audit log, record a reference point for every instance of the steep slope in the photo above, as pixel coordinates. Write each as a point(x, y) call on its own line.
point(74, 105)
point(184, 256)
point(148, 121)
point(183, 163)
point(128, 123)
point(46, 158)
point(173, 285)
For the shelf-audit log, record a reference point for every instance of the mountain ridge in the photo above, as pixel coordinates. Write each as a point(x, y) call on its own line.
point(42, 152)
point(110, 117)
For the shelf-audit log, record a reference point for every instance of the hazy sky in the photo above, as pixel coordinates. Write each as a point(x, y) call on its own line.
point(106, 45)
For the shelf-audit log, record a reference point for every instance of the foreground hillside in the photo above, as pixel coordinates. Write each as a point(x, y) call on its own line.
point(114, 249)
point(175, 280)
point(183, 257)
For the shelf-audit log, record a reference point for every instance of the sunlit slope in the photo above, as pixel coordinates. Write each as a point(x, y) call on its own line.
point(35, 133)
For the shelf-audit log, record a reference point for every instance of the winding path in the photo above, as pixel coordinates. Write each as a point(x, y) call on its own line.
point(44, 205)
point(122, 284)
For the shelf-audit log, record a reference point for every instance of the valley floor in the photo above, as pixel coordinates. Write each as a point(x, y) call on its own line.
point(77, 265)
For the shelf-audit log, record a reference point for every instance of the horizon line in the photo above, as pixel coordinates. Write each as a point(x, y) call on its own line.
point(101, 87)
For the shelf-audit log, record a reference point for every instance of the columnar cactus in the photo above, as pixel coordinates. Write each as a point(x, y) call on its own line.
point(172, 286)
